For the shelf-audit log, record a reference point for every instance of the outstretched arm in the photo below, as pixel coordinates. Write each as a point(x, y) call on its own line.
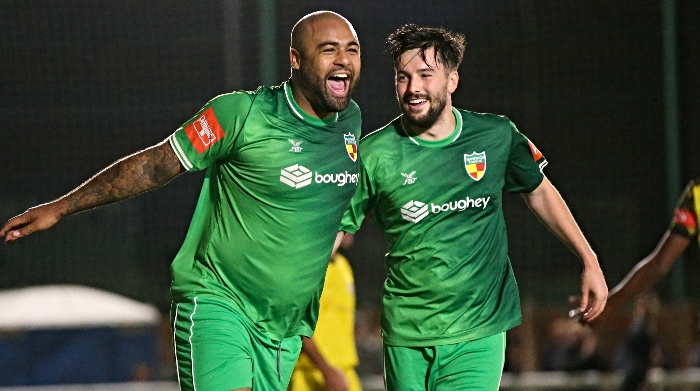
point(546, 202)
point(137, 173)
point(649, 270)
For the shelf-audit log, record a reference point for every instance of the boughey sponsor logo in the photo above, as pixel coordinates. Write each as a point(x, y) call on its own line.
point(475, 164)
point(295, 146)
point(298, 176)
point(416, 211)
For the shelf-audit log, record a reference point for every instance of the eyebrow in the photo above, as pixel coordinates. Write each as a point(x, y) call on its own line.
point(336, 43)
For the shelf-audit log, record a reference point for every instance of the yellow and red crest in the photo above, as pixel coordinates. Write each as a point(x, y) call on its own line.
point(351, 146)
point(475, 164)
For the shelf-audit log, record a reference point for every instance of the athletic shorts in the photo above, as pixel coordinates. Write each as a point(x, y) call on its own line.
point(311, 379)
point(217, 348)
point(471, 365)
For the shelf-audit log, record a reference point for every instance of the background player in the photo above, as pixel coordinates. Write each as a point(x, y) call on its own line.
point(655, 266)
point(247, 280)
point(328, 360)
point(433, 179)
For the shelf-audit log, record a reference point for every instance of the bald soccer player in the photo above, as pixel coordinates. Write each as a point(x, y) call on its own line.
point(281, 167)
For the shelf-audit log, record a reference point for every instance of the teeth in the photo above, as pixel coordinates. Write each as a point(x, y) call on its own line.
point(416, 101)
point(340, 76)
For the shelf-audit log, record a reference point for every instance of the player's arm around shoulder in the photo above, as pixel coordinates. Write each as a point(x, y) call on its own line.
point(546, 202)
point(137, 173)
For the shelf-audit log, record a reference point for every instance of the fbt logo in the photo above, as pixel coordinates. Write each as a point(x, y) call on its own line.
point(415, 211)
point(298, 176)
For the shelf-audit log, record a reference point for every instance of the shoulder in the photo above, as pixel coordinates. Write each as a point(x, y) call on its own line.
point(485, 119)
point(388, 134)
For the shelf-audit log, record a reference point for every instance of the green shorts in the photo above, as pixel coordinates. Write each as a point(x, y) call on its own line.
point(471, 365)
point(217, 348)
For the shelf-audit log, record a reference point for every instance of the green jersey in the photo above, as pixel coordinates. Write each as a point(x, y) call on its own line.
point(276, 186)
point(449, 279)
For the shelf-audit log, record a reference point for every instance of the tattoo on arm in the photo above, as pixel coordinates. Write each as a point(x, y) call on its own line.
point(137, 173)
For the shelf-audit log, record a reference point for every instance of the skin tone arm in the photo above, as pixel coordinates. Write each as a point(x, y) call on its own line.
point(546, 202)
point(137, 173)
point(334, 377)
point(648, 271)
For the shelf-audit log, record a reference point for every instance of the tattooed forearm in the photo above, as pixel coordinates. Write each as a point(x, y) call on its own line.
point(132, 175)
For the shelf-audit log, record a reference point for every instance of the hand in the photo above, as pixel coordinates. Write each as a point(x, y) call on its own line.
point(34, 219)
point(594, 294)
point(335, 379)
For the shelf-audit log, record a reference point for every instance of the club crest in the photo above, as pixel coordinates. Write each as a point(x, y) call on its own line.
point(475, 164)
point(351, 146)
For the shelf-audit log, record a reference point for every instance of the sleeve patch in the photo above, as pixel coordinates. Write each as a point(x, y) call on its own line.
point(536, 154)
point(685, 218)
point(205, 131)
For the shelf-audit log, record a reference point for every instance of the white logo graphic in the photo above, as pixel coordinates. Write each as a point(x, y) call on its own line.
point(414, 211)
point(409, 178)
point(296, 176)
point(201, 126)
point(295, 146)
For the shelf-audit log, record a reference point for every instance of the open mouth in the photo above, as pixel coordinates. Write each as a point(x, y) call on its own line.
point(339, 83)
point(416, 102)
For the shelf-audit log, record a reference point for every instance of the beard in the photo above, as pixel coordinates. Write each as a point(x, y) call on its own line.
point(321, 96)
point(437, 105)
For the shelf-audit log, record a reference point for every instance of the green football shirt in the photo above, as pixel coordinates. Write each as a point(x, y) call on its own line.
point(276, 186)
point(439, 204)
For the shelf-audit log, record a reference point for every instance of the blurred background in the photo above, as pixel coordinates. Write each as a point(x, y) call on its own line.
point(609, 91)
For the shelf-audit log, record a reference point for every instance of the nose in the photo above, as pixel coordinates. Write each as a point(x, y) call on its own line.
point(342, 58)
point(414, 84)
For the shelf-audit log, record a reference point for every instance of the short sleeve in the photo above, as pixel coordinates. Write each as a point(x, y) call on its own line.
point(359, 204)
point(525, 164)
point(211, 134)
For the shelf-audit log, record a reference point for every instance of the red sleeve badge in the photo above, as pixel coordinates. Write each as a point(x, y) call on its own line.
point(685, 218)
point(205, 131)
point(536, 154)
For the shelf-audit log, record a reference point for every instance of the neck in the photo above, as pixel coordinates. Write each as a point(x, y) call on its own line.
point(300, 96)
point(441, 129)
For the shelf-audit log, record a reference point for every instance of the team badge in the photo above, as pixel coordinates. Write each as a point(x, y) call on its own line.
point(536, 154)
point(351, 146)
point(475, 164)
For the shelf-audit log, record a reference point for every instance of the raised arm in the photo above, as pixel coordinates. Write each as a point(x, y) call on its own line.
point(649, 270)
point(546, 202)
point(137, 173)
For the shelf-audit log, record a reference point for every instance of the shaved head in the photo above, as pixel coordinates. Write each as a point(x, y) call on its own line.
point(324, 55)
point(308, 26)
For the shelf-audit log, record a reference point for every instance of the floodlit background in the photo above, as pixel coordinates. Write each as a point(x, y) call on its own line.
point(609, 91)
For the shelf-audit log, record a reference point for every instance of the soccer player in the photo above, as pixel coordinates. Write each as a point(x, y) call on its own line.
point(281, 168)
point(328, 360)
point(433, 179)
point(655, 266)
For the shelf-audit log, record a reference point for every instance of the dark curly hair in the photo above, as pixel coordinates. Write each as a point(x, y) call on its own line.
point(448, 46)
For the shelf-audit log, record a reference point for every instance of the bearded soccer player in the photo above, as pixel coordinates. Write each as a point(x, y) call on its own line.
point(281, 168)
point(655, 266)
point(433, 179)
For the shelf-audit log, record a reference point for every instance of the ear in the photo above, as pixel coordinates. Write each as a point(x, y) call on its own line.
point(294, 58)
point(452, 81)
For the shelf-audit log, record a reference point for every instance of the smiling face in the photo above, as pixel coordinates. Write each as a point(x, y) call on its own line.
point(325, 59)
point(424, 88)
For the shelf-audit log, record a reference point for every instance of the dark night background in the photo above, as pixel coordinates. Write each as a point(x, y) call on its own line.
point(83, 83)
